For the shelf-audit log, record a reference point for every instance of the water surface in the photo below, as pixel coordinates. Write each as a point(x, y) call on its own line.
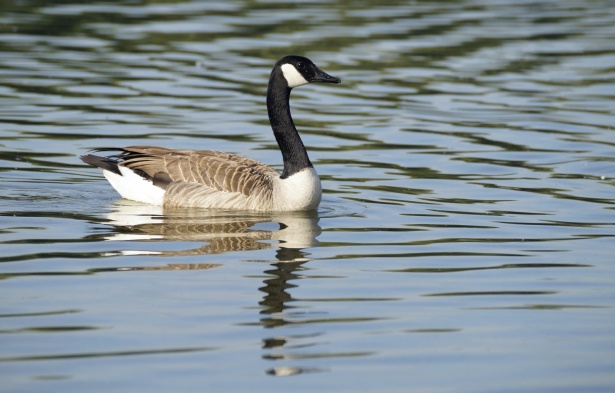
point(465, 238)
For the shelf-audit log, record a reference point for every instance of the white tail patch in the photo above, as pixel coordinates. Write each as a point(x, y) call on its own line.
point(292, 76)
point(134, 187)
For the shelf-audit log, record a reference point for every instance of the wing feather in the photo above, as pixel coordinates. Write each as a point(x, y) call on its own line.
point(198, 177)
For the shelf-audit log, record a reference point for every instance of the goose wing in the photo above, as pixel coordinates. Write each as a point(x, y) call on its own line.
point(204, 178)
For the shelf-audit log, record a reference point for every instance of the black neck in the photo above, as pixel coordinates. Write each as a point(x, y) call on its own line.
point(293, 152)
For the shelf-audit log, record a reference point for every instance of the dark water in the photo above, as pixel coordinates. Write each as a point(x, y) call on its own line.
point(464, 243)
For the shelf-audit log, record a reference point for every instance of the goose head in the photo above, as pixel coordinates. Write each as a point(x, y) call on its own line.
point(299, 70)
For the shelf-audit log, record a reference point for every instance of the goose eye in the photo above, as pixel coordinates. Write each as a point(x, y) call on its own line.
point(300, 65)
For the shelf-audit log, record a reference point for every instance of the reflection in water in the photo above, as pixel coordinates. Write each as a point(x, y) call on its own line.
point(228, 232)
point(277, 298)
point(221, 231)
point(275, 302)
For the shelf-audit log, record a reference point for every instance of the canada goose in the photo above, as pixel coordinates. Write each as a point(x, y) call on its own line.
point(216, 180)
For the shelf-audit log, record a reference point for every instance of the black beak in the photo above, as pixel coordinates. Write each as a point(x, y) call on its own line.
point(323, 77)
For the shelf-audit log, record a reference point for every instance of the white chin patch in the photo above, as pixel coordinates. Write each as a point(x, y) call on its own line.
point(292, 76)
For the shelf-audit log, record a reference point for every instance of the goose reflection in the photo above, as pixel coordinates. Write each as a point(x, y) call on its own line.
point(288, 233)
point(274, 310)
point(277, 298)
point(220, 232)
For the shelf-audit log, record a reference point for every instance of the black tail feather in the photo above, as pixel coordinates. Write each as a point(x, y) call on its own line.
point(104, 163)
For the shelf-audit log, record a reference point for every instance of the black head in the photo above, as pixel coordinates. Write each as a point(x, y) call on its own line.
point(299, 70)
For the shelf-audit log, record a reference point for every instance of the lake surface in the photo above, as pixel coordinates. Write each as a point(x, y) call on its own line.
point(465, 242)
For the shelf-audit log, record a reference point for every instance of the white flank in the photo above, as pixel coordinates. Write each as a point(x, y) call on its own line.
point(300, 191)
point(292, 76)
point(134, 187)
